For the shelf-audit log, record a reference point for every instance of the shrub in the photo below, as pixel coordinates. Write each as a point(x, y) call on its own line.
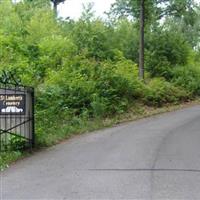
point(88, 85)
point(165, 50)
point(187, 77)
point(85, 89)
point(17, 143)
point(159, 92)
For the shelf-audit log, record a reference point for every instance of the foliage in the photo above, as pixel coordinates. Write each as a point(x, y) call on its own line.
point(160, 92)
point(17, 143)
point(187, 77)
point(166, 50)
point(126, 39)
point(93, 38)
point(7, 157)
point(155, 9)
point(82, 83)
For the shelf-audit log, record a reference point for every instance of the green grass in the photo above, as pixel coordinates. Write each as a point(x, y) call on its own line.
point(7, 157)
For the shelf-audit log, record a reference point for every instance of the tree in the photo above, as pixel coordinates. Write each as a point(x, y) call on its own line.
point(141, 53)
point(148, 15)
point(154, 9)
point(55, 4)
point(142, 11)
point(88, 12)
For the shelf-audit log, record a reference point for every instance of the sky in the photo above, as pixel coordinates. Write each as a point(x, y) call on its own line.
point(73, 8)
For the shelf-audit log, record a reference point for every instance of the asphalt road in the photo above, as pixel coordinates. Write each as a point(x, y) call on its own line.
point(154, 158)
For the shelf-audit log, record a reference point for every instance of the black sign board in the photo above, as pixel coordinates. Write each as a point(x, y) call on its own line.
point(12, 104)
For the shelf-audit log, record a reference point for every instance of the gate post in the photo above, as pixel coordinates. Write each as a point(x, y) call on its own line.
point(33, 117)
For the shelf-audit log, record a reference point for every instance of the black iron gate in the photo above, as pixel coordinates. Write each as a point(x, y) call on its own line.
point(16, 114)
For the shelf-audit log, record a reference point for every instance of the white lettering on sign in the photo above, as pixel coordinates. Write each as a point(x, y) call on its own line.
point(12, 103)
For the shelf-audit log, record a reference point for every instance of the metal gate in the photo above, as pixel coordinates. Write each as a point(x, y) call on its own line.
point(16, 114)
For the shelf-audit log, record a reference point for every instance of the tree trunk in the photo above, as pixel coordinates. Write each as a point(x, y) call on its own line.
point(55, 7)
point(141, 53)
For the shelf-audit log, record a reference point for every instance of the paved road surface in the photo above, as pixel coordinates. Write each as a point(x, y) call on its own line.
point(154, 158)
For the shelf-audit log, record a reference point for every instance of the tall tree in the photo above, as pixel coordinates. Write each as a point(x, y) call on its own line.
point(141, 53)
point(148, 14)
point(141, 11)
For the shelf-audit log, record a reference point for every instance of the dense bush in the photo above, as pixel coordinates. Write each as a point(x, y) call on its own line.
point(84, 89)
point(187, 77)
point(85, 85)
point(165, 50)
point(93, 38)
point(159, 92)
